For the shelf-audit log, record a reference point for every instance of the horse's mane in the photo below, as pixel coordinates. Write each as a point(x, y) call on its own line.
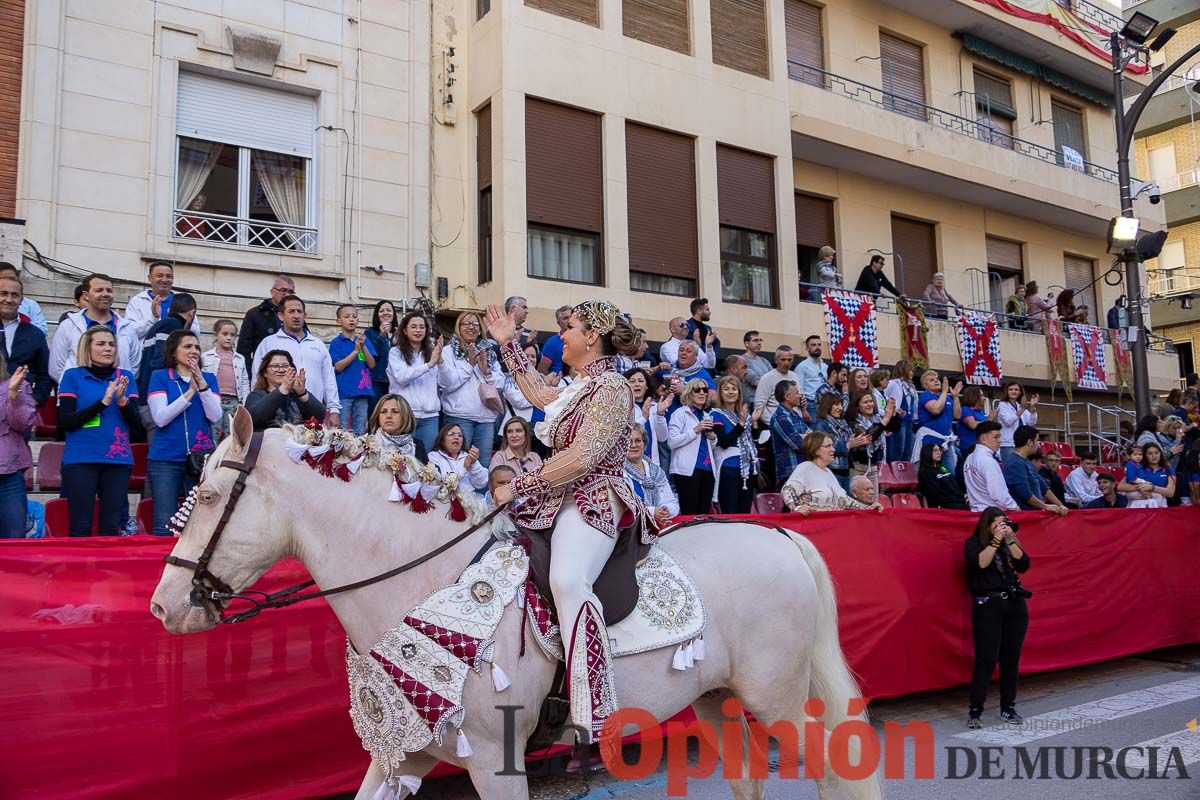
point(338, 453)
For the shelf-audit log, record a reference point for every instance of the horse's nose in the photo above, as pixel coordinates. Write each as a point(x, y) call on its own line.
point(158, 611)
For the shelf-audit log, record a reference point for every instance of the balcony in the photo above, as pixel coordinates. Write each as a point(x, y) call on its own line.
point(1167, 282)
point(195, 227)
point(1174, 13)
point(1170, 105)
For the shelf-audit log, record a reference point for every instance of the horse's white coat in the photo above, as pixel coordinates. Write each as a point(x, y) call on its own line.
point(771, 639)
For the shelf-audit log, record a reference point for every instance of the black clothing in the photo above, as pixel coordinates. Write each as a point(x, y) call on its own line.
point(1102, 502)
point(999, 576)
point(1056, 483)
point(259, 323)
point(695, 491)
point(29, 349)
point(71, 417)
point(154, 347)
point(732, 498)
point(82, 484)
point(998, 626)
point(274, 409)
point(874, 282)
point(865, 455)
point(940, 489)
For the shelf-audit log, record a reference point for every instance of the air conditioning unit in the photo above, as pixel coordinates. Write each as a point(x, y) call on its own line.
point(1158, 58)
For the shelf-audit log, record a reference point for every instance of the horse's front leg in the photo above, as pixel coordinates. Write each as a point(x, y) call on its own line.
point(417, 764)
point(493, 782)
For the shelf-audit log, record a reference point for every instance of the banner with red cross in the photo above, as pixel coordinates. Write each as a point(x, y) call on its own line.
point(850, 319)
point(979, 345)
point(1087, 351)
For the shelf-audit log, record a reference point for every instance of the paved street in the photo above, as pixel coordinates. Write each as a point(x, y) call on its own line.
point(1143, 701)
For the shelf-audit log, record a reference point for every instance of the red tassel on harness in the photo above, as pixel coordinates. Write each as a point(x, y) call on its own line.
point(419, 504)
point(457, 512)
point(342, 472)
point(323, 463)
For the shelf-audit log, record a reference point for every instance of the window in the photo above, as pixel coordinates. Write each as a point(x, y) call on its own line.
point(1170, 274)
point(814, 230)
point(739, 35)
point(664, 255)
point(746, 207)
point(994, 109)
point(1006, 270)
point(1163, 167)
point(660, 22)
point(805, 43)
point(483, 168)
point(564, 192)
point(902, 66)
point(1079, 274)
point(482, 7)
point(1068, 136)
point(913, 242)
point(243, 157)
point(587, 11)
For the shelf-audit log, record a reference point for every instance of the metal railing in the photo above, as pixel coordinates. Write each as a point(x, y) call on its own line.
point(1183, 180)
point(198, 226)
point(1100, 17)
point(1095, 427)
point(964, 126)
point(1172, 281)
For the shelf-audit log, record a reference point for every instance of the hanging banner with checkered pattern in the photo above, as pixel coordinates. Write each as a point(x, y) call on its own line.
point(1087, 351)
point(850, 319)
point(979, 346)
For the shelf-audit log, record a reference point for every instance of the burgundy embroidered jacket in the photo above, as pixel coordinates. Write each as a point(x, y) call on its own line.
point(588, 430)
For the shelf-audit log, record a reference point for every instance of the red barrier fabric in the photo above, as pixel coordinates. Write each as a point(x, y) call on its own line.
point(98, 701)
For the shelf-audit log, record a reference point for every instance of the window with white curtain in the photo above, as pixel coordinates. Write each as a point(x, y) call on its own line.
point(746, 267)
point(563, 255)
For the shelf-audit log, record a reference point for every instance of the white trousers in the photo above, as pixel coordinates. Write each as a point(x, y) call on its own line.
point(578, 552)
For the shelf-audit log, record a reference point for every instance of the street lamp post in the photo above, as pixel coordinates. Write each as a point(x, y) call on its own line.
point(1126, 123)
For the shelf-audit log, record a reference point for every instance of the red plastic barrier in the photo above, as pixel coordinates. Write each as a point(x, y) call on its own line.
point(102, 703)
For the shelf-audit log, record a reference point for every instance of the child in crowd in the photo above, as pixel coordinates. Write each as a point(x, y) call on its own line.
point(233, 380)
point(353, 359)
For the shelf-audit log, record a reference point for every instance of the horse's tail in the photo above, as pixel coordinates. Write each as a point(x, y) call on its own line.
point(830, 678)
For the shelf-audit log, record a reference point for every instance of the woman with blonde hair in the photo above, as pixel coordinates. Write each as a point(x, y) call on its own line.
point(736, 455)
point(471, 379)
point(691, 438)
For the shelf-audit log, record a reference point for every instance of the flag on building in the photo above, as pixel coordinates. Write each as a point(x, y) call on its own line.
point(979, 345)
point(1087, 351)
point(913, 347)
point(850, 319)
point(1122, 361)
point(1056, 350)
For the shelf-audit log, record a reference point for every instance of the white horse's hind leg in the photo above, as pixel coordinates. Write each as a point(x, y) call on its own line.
point(482, 767)
point(417, 764)
point(708, 709)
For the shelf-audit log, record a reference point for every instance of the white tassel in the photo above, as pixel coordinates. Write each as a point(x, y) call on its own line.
point(410, 782)
point(461, 746)
point(698, 650)
point(521, 598)
point(500, 681)
point(687, 654)
point(388, 790)
point(679, 662)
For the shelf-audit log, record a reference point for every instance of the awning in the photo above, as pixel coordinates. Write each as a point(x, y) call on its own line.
point(994, 52)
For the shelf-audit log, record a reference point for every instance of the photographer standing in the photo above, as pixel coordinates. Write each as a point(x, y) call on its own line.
point(999, 616)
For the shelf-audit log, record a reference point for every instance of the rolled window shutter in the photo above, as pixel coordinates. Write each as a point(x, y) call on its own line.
point(564, 176)
point(914, 241)
point(1004, 254)
point(660, 22)
point(1079, 273)
point(245, 114)
point(814, 221)
point(994, 94)
point(805, 45)
point(1068, 128)
point(739, 35)
point(903, 70)
point(746, 189)
point(483, 146)
point(661, 179)
point(582, 10)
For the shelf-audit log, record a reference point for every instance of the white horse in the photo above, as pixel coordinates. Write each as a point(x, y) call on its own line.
point(771, 636)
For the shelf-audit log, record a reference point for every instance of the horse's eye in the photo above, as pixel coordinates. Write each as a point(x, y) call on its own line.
point(207, 496)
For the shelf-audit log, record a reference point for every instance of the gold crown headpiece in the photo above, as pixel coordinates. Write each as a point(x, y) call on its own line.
point(600, 315)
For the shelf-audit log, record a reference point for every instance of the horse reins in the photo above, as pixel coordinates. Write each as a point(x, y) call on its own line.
point(210, 591)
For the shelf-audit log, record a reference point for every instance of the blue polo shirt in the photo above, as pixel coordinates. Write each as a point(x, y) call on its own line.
point(354, 380)
point(112, 323)
point(942, 422)
point(966, 435)
point(554, 351)
point(105, 438)
point(169, 442)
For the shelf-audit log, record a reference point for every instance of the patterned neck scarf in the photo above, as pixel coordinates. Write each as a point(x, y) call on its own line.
point(402, 442)
point(747, 452)
point(691, 372)
point(648, 483)
point(486, 345)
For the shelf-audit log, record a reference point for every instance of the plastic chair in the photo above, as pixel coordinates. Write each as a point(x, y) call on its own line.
point(903, 476)
point(1064, 471)
point(29, 479)
point(905, 500)
point(768, 503)
point(137, 478)
point(58, 518)
point(1069, 456)
point(1118, 473)
point(49, 466)
point(145, 515)
point(887, 478)
point(884, 500)
point(46, 424)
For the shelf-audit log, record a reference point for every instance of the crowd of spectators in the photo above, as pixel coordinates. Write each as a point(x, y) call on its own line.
point(709, 433)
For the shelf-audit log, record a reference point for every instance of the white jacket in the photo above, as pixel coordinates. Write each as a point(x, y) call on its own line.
point(658, 427)
point(66, 340)
point(310, 355)
point(1010, 420)
point(140, 312)
point(475, 476)
point(459, 381)
point(684, 442)
point(210, 363)
point(416, 382)
point(985, 481)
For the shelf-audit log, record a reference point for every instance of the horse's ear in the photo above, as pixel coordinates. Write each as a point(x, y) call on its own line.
point(242, 429)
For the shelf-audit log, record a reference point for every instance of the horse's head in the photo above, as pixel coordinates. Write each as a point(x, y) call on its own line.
point(253, 539)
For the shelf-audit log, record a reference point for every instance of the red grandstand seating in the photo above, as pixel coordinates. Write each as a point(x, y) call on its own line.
point(46, 425)
point(1116, 472)
point(49, 466)
point(29, 479)
point(899, 476)
point(884, 500)
point(1069, 456)
point(145, 515)
point(1110, 454)
point(58, 518)
point(768, 503)
point(1064, 471)
point(905, 500)
point(137, 478)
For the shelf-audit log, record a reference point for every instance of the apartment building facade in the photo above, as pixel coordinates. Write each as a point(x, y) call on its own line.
point(653, 152)
point(1168, 152)
point(235, 140)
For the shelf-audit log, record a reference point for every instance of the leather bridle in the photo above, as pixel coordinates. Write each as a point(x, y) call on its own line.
point(209, 591)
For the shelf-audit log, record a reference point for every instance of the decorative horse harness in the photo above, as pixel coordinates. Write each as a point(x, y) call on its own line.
point(209, 591)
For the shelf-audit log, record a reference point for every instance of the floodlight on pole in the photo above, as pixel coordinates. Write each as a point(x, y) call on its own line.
point(1139, 27)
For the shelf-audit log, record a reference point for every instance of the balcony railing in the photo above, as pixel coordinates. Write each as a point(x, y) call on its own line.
point(1089, 12)
point(1166, 282)
point(972, 128)
point(1181, 181)
point(1189, 75)
point(198, 226)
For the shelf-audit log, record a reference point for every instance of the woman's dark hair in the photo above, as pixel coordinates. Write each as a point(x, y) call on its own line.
point(623, 339)
point(402, 342)
point(375, 321)
point(169, 360)
point(826, 403)
point(440, 442)
point(971, 396)
point(903, 370)
point(260, 380)
point(927, 461)
point(1017, 384)
point(852, 412)
point(1175, 397)
point(651, 385)
point(983, 529)
point(1146, 448)
point(1146, 423)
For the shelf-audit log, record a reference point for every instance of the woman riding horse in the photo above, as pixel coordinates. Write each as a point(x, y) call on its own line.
point(580, 493)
